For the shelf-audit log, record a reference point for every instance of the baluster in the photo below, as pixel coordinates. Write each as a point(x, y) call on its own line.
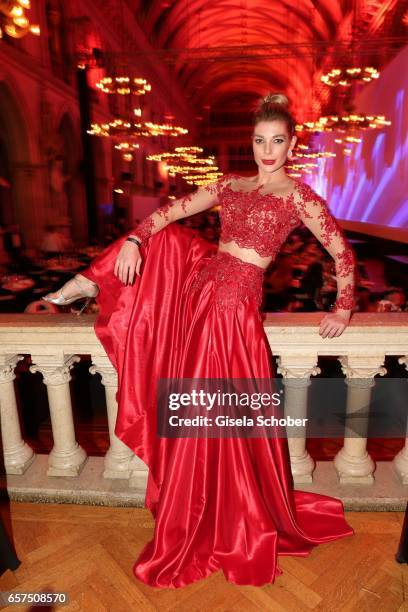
point(67, 457)
point(353, 463)
point(296, 371)
point(119, 457)
point(18, 456)
point(401, 459)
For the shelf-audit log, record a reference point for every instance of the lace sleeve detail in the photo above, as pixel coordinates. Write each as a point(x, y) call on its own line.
point(188, 205)
point(217, 186)
point(314, 213)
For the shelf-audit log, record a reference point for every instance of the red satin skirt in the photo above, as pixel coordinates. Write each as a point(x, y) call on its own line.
point(219, 503)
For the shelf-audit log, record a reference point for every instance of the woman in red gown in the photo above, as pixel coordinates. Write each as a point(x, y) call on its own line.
point(193, 311)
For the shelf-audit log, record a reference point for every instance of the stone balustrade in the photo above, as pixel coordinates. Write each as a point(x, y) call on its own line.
point(55, 343)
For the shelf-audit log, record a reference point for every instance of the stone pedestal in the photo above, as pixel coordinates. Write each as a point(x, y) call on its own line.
point(353, 463)
point(119, 456)
point(296, 371)
point(67, 458)
point(18, 456)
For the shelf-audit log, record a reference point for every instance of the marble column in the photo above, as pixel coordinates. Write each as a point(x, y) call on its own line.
point(353, 463)
point(67, 457)
point(401, 459)
point(18, 456)
point(296, 371)
point(119, 457)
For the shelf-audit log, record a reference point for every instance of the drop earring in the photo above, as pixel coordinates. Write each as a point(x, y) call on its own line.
point(290, 154)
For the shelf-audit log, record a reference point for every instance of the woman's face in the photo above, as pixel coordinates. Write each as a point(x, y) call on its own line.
point(271, 143)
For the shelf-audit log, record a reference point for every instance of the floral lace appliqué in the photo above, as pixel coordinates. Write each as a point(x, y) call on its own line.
point(346, 299)
point(234, 280)
point(346, 262)
point(313, 211)
point(255, 220)
point(146, 227)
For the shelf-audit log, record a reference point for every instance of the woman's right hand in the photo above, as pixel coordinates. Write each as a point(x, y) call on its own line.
point(128, 263)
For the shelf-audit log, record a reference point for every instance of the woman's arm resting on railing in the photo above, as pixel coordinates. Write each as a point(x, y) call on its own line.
point(314, 213)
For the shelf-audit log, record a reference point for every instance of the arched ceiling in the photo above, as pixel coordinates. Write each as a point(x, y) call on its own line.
point(228, 53)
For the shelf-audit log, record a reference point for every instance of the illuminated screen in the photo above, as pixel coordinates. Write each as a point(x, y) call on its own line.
point(370, 185)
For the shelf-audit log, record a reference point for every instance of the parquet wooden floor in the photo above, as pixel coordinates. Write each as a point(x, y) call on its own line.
point(89, 552)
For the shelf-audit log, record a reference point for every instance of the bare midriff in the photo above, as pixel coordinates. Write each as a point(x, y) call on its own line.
point(248, 255)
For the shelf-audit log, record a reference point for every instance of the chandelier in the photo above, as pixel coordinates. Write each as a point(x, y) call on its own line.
point(345, 77)
point(124, 129)
point(194, 170)
point(165, 129)
point(364, 121)
point(124, 85)
point(349, 139)
point(352, 69)
point(127, 149)
point(202, 180)
point(180, 154)
point(316, 155)
point(126, 146)
point(303, 168)
point(183, 156)
point(344, 123)
point(308, 153)
point(13, 20)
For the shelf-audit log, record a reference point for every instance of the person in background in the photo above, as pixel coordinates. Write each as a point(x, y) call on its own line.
point(394, 300)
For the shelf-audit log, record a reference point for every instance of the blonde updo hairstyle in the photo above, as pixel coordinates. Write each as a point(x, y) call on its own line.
point(275, 107)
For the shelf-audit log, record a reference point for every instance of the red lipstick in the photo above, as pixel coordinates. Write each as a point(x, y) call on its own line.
point(269, 162)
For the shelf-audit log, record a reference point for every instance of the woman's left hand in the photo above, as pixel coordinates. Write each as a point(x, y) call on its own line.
point(334, 323)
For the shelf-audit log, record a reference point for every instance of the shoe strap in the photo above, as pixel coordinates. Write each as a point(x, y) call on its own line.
point(74, 278)
point(83, 291)
point(78, 284)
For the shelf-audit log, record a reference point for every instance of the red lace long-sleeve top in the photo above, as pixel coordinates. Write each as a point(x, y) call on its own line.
point(262, 221)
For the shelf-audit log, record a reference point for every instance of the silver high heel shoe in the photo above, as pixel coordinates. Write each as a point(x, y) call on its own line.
point(60, 300)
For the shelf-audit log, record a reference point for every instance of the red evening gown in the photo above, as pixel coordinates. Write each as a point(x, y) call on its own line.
point(219, 503)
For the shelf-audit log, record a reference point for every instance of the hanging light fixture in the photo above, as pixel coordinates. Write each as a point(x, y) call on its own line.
point(121, 78)
point(123, 130)
point(344, 123)
point(127, 128)
point(126, 146)
point(345, 77)
point(348, 126)
point(124, 85)
point(353, 73)
point(165, 129)
point(13, 20)
point(349, 139)
point(307, 152)
point(302, 168)
point(194, 170)
point(182, 156)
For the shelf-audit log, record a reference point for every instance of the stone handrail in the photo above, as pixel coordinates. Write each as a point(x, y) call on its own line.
point(55, 342)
